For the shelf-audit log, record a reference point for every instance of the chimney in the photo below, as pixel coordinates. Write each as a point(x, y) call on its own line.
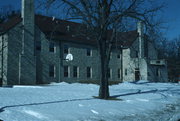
point(140, 30)
point(27, 14)
point(27, 59)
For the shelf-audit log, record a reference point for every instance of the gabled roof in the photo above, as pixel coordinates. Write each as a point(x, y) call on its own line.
point(128, 38)
point(63, 30)
point(57, 29)
point(4, 27)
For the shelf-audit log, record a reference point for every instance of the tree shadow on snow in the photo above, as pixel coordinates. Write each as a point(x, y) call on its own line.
point(83, 99)
point(43, 103)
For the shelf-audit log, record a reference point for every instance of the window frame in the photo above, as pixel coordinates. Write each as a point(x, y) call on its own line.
point(89, 52)
point(38, 45)
point(89, 72)
point(136, 54)
point(66, 74)
point(109, 73)
point(52, 47)
point(118, 56)
point(52, 71)
point(119, 73)
point(66, 49)
point(125, 72)
point(75, 71)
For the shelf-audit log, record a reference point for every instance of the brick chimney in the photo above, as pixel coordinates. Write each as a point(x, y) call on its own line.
point(140, 30)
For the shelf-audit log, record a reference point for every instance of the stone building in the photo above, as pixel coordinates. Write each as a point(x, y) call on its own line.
point(140, 59)
point(33, 50)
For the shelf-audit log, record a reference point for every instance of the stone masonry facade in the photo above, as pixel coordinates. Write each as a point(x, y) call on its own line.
point(32, 55)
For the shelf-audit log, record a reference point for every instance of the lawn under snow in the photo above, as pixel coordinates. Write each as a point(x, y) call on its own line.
point(74, 102)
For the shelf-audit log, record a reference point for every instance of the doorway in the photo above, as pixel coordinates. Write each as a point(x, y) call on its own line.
point(137, 74)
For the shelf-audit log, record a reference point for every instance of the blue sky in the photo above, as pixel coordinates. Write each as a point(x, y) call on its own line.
point(171, 15)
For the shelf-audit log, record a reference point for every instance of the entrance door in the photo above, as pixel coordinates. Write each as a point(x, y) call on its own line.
point(137, 74)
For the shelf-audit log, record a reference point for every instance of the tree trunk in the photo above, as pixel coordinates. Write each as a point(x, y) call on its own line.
point(104, 85)
point(2, 61)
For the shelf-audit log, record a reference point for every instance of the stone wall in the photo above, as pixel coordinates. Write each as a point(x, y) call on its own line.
point(131, 61)
point(80, 59)
point(14, 50)
point(46, 58)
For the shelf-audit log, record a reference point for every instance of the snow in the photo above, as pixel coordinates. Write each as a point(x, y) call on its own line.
point(75, 102)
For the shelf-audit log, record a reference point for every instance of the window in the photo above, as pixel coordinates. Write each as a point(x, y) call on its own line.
point(89, 72)
point(66, 71)
point(51, 46)
point(158, 72)
point(126, 72)
point(136, 54)
point(76, 71)
point(119, 73)
point(146, 49)
point(158, 62)
point(52, 71)
point(89, 52)
point(109, 73)
point(38, 45)
point(118, 56)
point(66, 49)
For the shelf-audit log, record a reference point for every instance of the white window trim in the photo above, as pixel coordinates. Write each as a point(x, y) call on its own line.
point(110, 73)
point(90, 72)
point(90, 52)
point(54, 71)
point(77, 72)
point(68, 49)
point(69, 72)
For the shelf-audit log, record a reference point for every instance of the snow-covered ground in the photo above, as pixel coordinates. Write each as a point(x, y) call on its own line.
point(75, 102)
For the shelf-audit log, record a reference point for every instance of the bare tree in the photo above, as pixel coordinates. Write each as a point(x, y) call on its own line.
point(6, 12)
point(103, 18)
point(173, 58)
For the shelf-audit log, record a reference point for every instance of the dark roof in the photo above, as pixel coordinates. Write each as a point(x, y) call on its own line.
point(4, 27)
point(127, 38)
point(63, 30)
point(57, 29)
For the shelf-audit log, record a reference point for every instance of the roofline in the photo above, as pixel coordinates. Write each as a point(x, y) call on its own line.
point(4, 31)
point(76, 41)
